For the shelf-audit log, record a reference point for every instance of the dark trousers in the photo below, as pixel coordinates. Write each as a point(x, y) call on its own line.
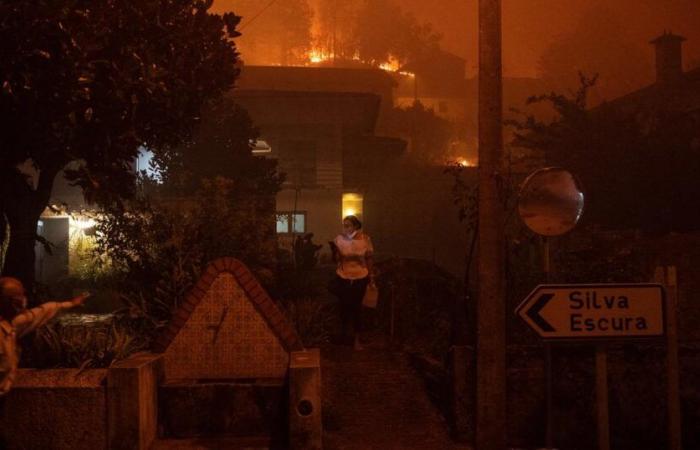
point(351, 293)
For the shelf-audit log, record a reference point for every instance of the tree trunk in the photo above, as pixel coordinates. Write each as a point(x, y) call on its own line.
point(22, 206)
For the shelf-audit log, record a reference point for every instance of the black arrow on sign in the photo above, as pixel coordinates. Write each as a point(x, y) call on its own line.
point(534, 312)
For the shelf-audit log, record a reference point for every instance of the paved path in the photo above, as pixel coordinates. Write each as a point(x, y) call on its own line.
point(374, 400)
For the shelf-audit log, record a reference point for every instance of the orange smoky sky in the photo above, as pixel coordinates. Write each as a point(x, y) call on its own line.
point(530, 27)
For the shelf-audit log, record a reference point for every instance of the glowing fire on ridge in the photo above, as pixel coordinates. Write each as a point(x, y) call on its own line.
point(317, 56)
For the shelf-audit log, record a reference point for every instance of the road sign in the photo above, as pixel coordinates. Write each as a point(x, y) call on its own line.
point(594, 311)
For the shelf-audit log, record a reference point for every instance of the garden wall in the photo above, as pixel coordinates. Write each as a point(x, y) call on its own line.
point(93, 409)
point(55, 409)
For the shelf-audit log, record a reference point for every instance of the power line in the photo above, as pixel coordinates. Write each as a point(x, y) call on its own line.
point(257, 15)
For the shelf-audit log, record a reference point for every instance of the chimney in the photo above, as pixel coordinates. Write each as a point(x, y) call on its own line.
point(669, 58)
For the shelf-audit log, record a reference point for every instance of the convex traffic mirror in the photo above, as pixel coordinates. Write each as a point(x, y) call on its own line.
point(551, 201)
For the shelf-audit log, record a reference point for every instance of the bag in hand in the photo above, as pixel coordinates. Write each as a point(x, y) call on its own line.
point(371, 297)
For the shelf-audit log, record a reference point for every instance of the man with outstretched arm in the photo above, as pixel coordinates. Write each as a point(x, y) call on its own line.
point(17, 321)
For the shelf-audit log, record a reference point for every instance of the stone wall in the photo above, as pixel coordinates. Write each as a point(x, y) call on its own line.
point(70, 409)
point(55, 409)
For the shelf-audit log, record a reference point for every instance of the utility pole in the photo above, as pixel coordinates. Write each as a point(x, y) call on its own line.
point(491, 333)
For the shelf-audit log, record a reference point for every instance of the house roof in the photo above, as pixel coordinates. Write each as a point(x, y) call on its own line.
point(681, 96)
point(315, 78)
point(255, 293)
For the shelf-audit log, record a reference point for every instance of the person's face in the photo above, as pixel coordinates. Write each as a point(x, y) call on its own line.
point(348, 227)
point(20, 302)
point(14, 292)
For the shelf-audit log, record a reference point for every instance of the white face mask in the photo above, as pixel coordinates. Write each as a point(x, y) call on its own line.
point(351, 234)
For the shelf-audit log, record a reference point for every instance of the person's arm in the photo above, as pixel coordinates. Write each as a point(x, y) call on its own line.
point(28, 321)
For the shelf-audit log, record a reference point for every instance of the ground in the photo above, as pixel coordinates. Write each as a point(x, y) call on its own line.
point(373, 399)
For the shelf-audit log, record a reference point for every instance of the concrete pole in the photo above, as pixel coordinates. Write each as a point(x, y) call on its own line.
point(491, 335)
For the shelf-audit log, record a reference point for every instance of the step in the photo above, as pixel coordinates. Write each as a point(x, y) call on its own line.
point(232, 409)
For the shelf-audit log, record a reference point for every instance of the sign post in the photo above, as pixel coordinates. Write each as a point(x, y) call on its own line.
point(669, 278)
point(601, 396)
point(596, 312)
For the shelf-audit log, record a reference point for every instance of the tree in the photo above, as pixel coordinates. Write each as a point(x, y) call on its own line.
point(429, 135)
point(385, 31)
point(336, 34)
point(638, 167)
point(213, 198)
point(87, 83)
point(275, 32)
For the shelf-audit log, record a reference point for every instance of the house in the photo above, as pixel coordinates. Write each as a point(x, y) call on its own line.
point(358, 80)
point(323, 142)
point(674, 91)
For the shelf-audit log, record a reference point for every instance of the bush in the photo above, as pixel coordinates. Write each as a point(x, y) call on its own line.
point(424, 298)
point(159, 248)
point(84, 341)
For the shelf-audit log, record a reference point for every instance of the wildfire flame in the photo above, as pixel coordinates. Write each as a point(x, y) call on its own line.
point(464, 162)
point(317, 56)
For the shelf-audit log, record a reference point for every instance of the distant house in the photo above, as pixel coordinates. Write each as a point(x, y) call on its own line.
point(323, 142)
point(673, 92)
point(438, 80)
point(322, 79)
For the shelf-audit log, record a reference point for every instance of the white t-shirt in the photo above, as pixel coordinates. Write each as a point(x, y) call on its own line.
point(352, 261)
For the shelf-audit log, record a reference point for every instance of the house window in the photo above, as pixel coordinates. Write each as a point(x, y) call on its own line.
point(291, 223)
point(352, 204)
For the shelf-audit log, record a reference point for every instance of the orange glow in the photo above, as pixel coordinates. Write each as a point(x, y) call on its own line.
point(464, 162)
point(318, 56)
point(391, 65)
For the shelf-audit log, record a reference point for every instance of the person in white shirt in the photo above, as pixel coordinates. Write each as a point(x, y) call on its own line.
point(352, 252)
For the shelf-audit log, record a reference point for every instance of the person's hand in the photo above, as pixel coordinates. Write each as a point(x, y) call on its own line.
point(80, 299)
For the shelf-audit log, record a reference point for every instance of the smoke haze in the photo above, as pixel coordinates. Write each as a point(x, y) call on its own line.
point(531, 28)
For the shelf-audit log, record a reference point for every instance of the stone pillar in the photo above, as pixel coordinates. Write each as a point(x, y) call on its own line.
point(132, 397)
point(305, 427)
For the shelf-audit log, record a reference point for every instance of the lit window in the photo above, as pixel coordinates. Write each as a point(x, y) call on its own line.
point(291, 223)
point(298, 223)
point(352, 204)
point(282, 223)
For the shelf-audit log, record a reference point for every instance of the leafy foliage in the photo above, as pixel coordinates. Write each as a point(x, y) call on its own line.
point(275, 32)
point(424, 299)
point(429, 135)
point(160, 247)
point(314, 319)
point(92, 81)
point(87, 83)
point(637, 167)
point(384, 30)
point(75, 341)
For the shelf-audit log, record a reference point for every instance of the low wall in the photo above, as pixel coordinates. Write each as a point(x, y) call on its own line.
point(94, 409)
point(55, 409)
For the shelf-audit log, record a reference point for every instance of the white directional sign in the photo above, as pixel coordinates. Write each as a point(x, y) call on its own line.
point(590, 311)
